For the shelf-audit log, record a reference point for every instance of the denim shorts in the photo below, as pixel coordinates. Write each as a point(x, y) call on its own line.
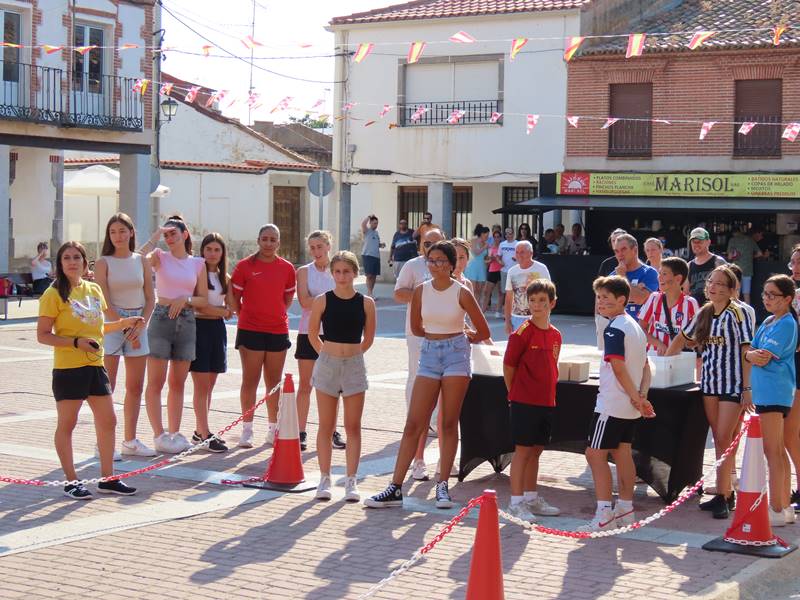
point(115, 344)
point(445, 358)
point(333, 375)
point(172, 339)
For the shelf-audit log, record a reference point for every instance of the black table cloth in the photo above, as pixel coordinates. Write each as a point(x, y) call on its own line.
point(668, 449)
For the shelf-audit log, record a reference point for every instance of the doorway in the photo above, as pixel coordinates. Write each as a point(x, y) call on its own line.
point(286, 214)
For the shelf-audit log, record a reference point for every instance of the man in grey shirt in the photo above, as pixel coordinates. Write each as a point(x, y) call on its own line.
point(371, 253)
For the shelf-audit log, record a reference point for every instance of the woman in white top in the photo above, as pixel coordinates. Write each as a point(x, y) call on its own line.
point(211, 337)
point(127, 282)
point(41, 270)
point(438, 308)
point(313, 279)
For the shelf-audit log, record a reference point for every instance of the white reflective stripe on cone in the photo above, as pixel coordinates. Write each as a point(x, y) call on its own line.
point(754, 469)
point(288, 427)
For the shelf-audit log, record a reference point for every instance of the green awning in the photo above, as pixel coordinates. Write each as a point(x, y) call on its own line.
point(652, 203)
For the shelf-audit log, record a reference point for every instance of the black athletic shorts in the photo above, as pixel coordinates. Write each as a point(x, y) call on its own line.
point(304, 349)
point(770, 408)
point(493, 276)
point(607, 432)
point(211, 343)
point(262, 342)
point(531, 425)
point(80, 383)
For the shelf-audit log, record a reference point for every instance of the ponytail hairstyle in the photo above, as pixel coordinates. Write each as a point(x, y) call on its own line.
point(61, 282)
point(786, 287)
point(108, 247)
point(178, 222)
point(222, 268)
point(704, 317)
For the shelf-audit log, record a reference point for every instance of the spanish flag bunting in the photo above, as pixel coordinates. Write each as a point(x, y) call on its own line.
point(10, 45)
point(706, 128)
point(532, 121)
point(415, 52)
point(516, 46)
point(166, 89)
point(573, 121)
point(385, 110)
point(609, 122)
point(250, 43)
point(48, 49)
point(141, 86)
point(368, 123)
point(362, 52)
point(635, 44)
point(791, 132)
point(777, 32)
point(746, 127)
point(573, 43)
point(392, 126)
point(192, 93)
point(496, 116)
point(700, 37)
point(206, 49)
point(340, 118)
point(462, 37)
point(84, 49)
point(128, 46)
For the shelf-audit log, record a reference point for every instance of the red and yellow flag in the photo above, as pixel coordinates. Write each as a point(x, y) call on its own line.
point(362, 52)
point(48, 49)
point(700, 37)
point(166, 89)
point(128, 46)
point(10, 45)
point(635, 44)
point(206, 49)
point(250, 43)
point(777, 32)
point(415, 51)
point(573, 43)
point(516, 46)
point(84, 49)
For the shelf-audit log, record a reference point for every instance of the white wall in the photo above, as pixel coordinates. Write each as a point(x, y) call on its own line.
point(32, 200)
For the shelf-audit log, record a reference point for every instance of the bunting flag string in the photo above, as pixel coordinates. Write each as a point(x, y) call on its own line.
point(415, 52)
point(496, 116)
point(141, 86)
point(572, 46)
point(706, 128)
point(249, 43)
point(516, 46)
point(456, 116)
point(318, 103)
point(362, 52)
point(206, 49)
point(165, 89)
point(791, 132)
point(699, 38)
point(635, 44)
point(82, 50)
point(253, 100)
point(777, 33)
point(385, 110)
point(51, 49)
point(462, 37)
point(746, 127)
point(282, 105)
point(192, 93)
point(532, 121)
point(421, 110)
point(573, 120)
point(609, 122)
point(217, 96)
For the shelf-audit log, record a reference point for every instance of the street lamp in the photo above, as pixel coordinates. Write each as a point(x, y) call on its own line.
point(169, 108)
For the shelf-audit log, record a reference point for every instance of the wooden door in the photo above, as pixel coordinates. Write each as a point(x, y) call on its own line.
point(286, 214)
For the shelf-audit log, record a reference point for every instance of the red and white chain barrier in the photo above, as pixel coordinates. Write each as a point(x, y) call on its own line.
point(159, 465)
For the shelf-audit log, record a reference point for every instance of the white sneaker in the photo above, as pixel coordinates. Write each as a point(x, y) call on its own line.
point(351, 493)
point(117, 455)
point(624, 518)
point(179, 443)
point(419, 471)
point(777, 518)
point(541, 507)
point(521, 511)
point(603, 521)
point(271, 433)
point(136, 448)
point(246, 439)
point(163, 443)
point(324, 488)
point(789, 515)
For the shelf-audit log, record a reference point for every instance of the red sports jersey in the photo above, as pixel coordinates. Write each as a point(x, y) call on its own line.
point(534, 354)
point(655, 317)
point(262, 286)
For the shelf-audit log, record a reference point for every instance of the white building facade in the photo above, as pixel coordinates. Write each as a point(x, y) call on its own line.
point(68, 75)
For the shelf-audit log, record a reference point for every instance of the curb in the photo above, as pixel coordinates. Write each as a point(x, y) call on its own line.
point(755, 582)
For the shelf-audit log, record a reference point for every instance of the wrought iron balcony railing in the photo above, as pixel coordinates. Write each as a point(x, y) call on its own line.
point(632, 139)
point(45, 95)
point(763, 140)
point(475, 112)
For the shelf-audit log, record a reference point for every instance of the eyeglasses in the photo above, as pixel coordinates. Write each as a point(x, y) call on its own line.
point(437, 262)
point(770, 296)
point(427, 244)
point(792, 264)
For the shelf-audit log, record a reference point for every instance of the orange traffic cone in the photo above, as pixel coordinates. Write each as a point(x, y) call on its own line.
point(750, 533)
point(284, 470)
point(486, 567)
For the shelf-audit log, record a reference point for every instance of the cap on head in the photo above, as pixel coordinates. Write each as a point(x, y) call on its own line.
point(698, 233)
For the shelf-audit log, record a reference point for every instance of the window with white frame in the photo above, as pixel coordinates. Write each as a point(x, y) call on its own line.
point(88, 68)
point(12, 34)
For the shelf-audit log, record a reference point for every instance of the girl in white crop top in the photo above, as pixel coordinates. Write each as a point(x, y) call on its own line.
point(438, 308)
point(127, 283)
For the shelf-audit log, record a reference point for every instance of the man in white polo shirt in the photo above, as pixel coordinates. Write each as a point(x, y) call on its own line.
point(519, 278)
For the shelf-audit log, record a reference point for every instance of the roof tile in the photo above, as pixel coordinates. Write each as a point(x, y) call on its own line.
point(439, 9)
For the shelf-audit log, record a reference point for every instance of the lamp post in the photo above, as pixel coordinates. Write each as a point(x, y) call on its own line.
point(169, 108)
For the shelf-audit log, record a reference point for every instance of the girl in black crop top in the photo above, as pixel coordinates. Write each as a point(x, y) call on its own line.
point(347, 319)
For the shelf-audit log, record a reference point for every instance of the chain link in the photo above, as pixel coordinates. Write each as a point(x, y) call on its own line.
point(415, 558)
point(178, 457)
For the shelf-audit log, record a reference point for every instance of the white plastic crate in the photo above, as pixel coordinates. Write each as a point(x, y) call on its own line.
point(670, 371)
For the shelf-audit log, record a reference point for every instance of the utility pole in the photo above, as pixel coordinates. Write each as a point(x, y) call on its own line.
point(252, 49)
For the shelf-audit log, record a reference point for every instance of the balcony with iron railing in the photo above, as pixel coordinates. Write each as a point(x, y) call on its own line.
point(51, 96)
point(420, 114)
point(630, 139)
point(763, 140)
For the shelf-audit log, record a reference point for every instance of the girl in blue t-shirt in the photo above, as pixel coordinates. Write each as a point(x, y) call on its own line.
point(773, 381)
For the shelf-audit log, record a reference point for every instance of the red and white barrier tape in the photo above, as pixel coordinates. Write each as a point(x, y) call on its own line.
point(148, 468)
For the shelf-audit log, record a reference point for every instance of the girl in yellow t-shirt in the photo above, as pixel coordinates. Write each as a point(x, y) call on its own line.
point(71, 320)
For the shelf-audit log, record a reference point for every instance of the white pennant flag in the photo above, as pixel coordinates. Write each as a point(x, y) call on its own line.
point(533, 120)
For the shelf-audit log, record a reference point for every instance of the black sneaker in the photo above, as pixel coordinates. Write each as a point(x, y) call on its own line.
point(216, 445)
point(391, 496)
point(712, 504)
point(303, 441)
point(795, 501)
point(723, 508)
point(443, 499)
point(77, 491)
point(338, 442)
point(115, 487)
point(196, 439)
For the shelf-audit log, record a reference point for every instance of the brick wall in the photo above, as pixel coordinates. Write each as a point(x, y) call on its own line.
point(698, 86)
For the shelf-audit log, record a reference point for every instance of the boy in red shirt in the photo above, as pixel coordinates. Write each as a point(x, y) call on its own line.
point(530, 370)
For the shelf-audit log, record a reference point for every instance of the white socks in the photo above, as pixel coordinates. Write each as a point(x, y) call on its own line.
point(530, 496)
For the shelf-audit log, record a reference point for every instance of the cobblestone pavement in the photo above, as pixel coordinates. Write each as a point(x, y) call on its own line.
point(185, 535)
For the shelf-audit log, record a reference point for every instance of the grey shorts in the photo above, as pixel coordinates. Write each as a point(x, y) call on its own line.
point(115, 344)
point(172, 339)
point(333, 375)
